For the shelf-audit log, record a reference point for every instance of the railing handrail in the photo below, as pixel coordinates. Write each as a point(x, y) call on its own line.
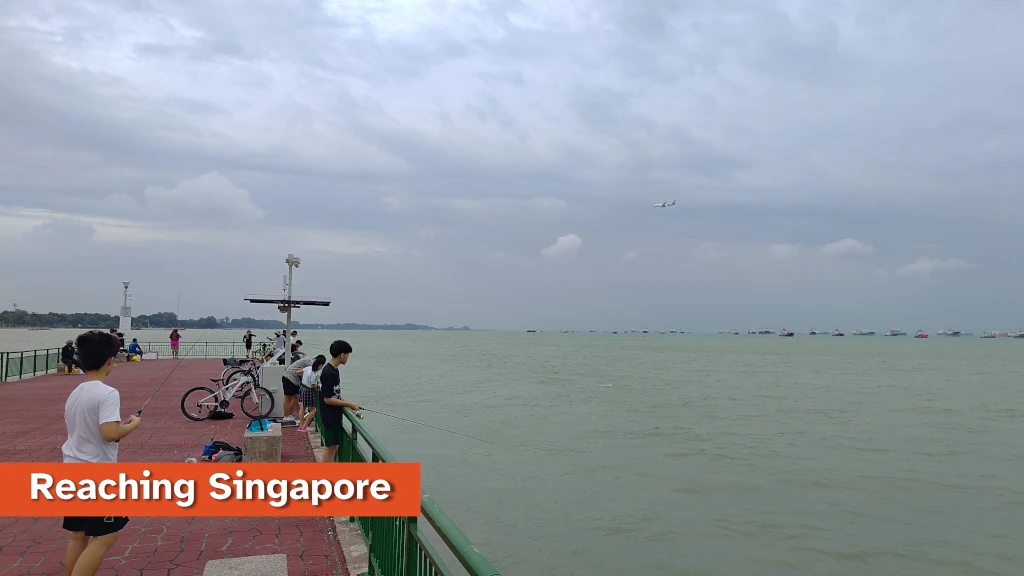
point(457, 541)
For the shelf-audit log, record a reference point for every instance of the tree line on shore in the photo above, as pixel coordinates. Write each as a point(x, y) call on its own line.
point(168, 320)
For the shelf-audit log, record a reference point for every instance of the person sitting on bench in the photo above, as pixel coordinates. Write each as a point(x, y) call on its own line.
point(67, 356)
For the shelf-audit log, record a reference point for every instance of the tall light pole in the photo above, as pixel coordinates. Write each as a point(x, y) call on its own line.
point(125, 326)
point(292, 261)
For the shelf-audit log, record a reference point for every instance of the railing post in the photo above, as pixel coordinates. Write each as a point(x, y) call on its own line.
point(35, 357)
point(412, 547)
point(21, 365)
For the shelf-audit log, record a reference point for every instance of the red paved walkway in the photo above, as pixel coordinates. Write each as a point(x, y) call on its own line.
point(32, 412)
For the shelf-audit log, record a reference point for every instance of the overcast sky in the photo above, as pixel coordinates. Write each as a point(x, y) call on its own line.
point(852, 164)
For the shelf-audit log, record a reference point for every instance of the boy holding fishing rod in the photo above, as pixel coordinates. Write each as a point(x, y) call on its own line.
point(331, 401)
point(93, 417)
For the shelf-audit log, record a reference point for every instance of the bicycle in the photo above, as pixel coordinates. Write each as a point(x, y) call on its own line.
point(240, 366)
point(220, 399)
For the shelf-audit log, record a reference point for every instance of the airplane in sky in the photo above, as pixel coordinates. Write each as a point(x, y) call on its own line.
point(665, 204)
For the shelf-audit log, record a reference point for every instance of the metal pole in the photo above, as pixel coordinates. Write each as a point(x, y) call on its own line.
point(288, 323)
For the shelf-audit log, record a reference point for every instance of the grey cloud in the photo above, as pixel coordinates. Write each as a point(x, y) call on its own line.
point(779, 128)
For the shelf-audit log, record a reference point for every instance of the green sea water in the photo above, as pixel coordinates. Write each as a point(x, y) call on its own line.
point(704, 455)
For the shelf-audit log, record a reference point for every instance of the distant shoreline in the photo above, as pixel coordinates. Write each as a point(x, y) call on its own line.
point(22, 320)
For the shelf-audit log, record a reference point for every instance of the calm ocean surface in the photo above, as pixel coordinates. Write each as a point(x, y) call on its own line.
point(702, 455)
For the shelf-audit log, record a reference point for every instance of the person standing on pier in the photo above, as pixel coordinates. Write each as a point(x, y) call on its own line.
point(307, 392)
point(93, 417)
point(175, 338)
point(331, 402)
point(247, 339)
point(290, 383)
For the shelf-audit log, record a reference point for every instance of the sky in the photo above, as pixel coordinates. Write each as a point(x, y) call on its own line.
point(495, 163)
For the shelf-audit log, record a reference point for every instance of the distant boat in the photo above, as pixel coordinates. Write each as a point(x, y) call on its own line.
point(1019, 336)
point(894, 332)
point(987, 335)
point(645, 331)
point(921, 334)
point(786, 333)
point(948, 332)
point(531, 330)
point(735, 332)
point(838, 332)
point(813, 332)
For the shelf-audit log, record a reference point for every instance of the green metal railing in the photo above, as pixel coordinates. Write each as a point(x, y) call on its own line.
point(28, 363)
point(398, 546)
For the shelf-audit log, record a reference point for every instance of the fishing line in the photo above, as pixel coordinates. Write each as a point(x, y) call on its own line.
point(427, 425)
point(180, 360)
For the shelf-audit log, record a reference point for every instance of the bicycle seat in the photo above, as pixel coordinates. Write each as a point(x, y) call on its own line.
point(216, 379)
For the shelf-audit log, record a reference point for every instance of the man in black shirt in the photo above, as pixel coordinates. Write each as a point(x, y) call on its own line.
point(331, 401)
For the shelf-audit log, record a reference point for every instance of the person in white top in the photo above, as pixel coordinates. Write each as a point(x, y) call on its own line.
point(308, 390)
point(93, 417)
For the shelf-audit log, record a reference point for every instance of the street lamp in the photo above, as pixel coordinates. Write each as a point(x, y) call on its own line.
point(292, 261)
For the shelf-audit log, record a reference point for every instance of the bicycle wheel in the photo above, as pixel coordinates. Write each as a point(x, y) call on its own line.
point(260, 402)
point(202, 400)
point(233, 378)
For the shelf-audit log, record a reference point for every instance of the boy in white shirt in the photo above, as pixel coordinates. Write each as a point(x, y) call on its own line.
point(93, 417)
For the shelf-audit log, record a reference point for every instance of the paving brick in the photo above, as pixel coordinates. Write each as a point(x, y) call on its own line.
point(177, 546)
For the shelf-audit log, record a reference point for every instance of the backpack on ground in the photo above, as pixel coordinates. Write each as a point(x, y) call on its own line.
point(219, 451)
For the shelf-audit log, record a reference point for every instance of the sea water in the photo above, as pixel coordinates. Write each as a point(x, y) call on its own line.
point(704, 455)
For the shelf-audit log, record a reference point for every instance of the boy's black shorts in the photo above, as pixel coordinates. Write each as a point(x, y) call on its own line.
point(290, 388)
point(95, 525)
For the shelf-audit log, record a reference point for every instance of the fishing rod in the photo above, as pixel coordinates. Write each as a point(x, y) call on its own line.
point(180, 360)
point(427, 425)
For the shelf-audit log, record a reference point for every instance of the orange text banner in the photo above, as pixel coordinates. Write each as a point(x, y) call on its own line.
point(210, 489)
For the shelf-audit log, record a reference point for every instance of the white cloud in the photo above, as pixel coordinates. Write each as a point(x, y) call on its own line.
point(481, 204)
point(708, 250)
point(847, 247)
point(565, 246)
point(630, 256)
point(926, 265)
point(546, 203)
point(783, 251)
point(210, 194)
point(140, 232)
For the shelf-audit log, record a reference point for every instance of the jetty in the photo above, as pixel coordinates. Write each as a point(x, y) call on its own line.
point(287, 546)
